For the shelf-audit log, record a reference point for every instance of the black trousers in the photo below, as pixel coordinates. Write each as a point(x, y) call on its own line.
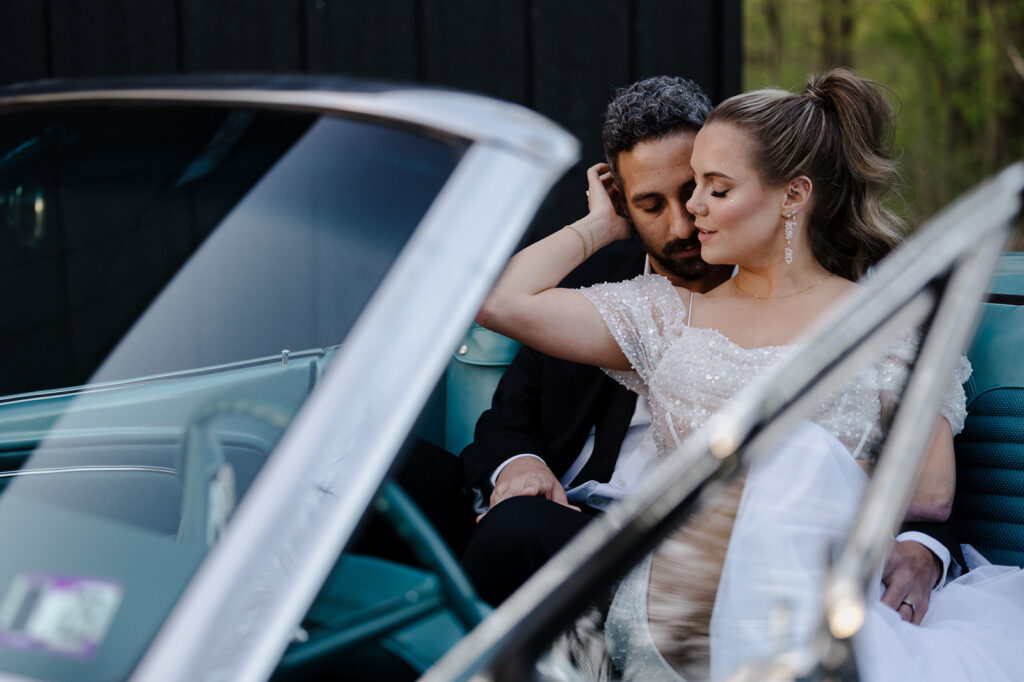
point(513, 540)
point(499, 553)
point(433, 478)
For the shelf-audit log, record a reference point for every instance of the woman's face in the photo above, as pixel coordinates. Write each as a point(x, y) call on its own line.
point(738, 217)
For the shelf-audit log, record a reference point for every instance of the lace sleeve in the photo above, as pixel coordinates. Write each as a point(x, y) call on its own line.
point(644, 315)
point(953, 405)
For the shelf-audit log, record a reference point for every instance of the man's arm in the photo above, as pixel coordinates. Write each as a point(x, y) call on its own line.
point(530, 477)
point(946, 533)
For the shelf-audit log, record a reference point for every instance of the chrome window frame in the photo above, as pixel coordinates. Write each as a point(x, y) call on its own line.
point(245, 602)
point(939, 277)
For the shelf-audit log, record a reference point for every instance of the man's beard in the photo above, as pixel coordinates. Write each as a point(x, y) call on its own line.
point(688, 268)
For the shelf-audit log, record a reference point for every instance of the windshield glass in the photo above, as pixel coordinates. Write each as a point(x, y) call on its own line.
point(189, 269)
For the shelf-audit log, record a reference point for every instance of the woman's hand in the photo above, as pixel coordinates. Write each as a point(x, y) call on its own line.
point(605, 220)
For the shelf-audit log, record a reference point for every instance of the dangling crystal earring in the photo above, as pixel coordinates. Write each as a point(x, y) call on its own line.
point(790, 224)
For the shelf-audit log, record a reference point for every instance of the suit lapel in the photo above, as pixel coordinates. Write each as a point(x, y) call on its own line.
point(611, 426)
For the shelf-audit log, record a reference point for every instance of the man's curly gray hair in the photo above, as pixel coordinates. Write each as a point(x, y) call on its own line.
point(651, 109)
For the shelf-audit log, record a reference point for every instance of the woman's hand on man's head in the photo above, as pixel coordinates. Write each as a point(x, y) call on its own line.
point(607, 221)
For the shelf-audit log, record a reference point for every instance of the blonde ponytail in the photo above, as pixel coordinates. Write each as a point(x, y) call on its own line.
point(838, 133)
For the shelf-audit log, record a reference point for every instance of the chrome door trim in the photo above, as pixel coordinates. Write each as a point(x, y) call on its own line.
point(266, 361)
point(92, 468)
point(473, 117)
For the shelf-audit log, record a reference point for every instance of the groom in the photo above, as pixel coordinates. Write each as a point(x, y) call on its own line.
point(561, 438)
point(562, 441)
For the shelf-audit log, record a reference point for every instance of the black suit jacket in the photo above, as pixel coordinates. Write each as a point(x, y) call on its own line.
point(545, 406)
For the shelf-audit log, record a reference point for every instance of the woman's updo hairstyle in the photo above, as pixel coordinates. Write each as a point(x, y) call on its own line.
point(837, 132)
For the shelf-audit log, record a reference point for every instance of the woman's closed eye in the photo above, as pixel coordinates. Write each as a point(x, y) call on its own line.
point(719, 193)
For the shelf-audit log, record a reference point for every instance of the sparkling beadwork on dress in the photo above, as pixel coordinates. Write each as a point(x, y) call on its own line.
point(688, 373)
point(626, 634)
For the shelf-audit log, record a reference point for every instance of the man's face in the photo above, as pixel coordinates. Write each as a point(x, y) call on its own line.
point(656, 180)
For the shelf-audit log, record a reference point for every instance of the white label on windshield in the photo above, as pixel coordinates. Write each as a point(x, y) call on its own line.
point(65, 615)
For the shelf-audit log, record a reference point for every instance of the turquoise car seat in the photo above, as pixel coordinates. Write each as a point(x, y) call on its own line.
point(989, 502)
point(473, 374)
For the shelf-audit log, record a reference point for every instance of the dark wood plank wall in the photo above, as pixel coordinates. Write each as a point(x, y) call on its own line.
point(561, 57)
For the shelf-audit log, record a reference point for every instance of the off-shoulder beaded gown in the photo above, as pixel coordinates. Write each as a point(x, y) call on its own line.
point(709, 598)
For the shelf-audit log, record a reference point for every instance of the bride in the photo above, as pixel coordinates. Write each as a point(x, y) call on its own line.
point(790, 188)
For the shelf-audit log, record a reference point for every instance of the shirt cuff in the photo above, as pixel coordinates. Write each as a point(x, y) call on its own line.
point(936, 547)
point(494, 476)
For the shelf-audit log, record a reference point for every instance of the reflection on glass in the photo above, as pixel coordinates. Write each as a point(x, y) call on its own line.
point(163, 259)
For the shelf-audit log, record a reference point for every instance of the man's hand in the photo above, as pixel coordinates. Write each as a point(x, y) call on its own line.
point(909, 574)
point(530, 477)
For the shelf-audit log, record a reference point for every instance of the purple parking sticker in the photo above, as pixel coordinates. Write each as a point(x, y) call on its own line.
point(59, 614)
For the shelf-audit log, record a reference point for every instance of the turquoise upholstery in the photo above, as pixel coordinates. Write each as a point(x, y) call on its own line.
point(449, 416)
point(379, 620)
point(373, 620)
point(472, 376)
point(990, 451)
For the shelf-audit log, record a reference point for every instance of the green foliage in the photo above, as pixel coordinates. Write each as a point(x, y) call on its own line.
point(954, 68)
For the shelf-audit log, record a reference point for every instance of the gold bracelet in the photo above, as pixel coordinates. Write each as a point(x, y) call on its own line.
point(583, 240)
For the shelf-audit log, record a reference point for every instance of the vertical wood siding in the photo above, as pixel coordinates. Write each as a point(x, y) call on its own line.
point(563, 58)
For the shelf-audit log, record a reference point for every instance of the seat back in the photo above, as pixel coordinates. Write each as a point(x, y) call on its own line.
point(990, 451)
point(449, 417)
point(472, 375)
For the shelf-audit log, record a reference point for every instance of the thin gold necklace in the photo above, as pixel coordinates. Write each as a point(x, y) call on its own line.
point(749, 293)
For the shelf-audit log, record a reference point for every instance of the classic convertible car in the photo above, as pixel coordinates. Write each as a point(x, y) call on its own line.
point(227, 302)
point(230, 301)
